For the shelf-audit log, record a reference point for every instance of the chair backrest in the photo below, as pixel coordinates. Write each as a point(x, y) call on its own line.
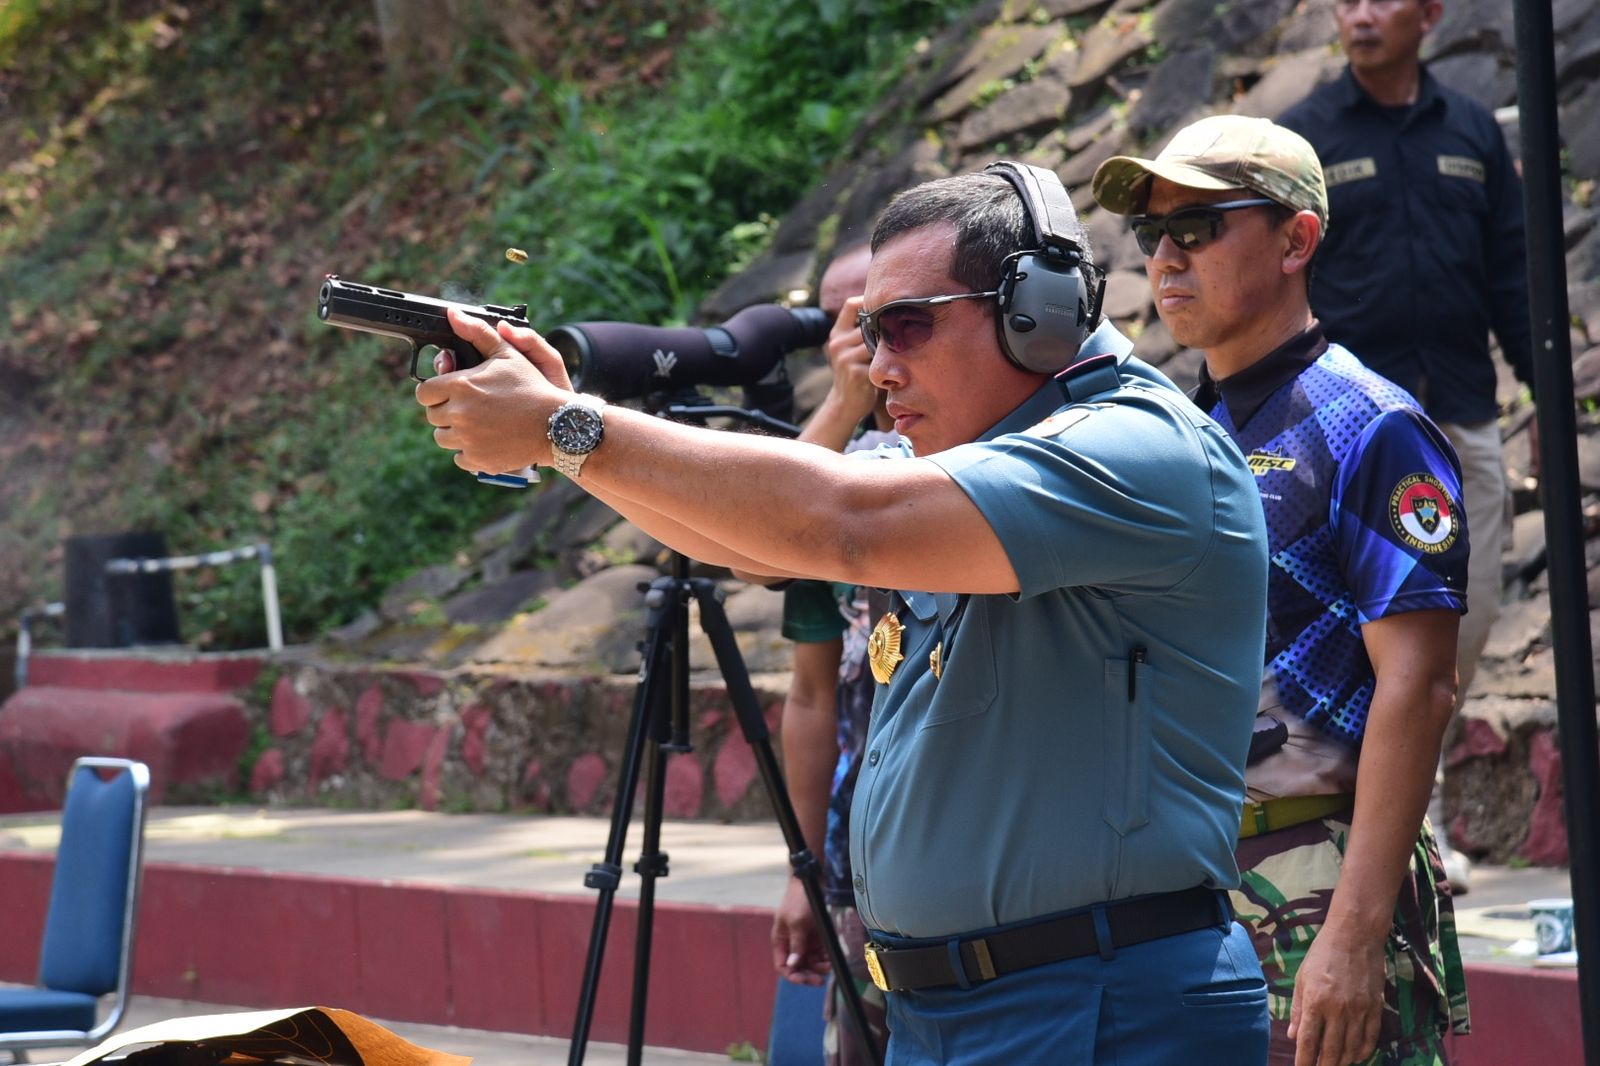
point(88, 936)
point(796, 1034)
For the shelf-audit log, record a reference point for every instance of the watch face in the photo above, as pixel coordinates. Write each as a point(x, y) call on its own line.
point(576, 429)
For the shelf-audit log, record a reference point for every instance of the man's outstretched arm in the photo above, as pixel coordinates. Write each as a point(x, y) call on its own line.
point(777, 507)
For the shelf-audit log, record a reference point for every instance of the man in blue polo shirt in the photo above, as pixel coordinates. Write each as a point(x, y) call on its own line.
point(1343, 887)
point(1428, 255)
point(1427, 258)
point(1042, 832)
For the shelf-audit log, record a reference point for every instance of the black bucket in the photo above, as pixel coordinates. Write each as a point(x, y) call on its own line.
point(106, 610)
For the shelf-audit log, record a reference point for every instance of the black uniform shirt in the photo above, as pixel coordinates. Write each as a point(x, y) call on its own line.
point(1424, 251)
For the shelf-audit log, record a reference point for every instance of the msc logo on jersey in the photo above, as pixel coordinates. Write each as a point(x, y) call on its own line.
point(1422, 513)
point(1263, 463)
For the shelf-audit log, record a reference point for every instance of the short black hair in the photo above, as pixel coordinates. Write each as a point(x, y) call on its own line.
point(990, 220)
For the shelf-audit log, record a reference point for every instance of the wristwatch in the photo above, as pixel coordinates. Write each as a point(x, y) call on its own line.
point(576, 429)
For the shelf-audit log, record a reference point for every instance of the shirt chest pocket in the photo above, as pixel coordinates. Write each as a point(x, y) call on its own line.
point(960, 653)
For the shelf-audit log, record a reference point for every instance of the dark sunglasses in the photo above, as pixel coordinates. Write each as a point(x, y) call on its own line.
point(904, 324)
point(1189, 227)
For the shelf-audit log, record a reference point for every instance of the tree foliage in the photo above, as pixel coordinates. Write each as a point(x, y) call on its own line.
point(176, 177)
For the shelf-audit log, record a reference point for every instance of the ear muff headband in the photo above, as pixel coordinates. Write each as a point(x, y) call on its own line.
point(1049, 297)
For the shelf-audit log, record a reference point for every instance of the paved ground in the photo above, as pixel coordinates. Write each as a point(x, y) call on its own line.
point(710, 863)
point(737, 864)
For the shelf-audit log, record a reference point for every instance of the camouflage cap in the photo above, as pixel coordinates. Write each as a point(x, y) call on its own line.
point(1222, 152)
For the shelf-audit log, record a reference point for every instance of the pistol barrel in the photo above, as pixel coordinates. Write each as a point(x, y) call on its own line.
point(418, 320)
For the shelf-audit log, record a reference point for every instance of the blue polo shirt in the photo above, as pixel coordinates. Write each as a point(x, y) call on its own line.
point(1084, 740)
point(1362, 498)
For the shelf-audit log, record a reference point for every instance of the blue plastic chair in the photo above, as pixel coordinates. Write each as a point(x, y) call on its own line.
point(795, 1037)
point(87, 952)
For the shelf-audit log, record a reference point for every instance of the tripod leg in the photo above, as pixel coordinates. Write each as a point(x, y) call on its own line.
point(607, 874)
point(652, 864)
point(669, 732)
point(806, 867)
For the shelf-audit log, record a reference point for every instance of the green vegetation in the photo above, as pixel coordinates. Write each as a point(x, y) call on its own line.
point(260, 740)
point(668, 194)
point(176, 178)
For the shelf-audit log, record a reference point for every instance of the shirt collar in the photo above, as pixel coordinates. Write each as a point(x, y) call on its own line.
point(1245, 391)
point(1047, 399)
point(1350, 94)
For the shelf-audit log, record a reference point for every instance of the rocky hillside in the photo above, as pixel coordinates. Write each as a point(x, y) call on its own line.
point(1065, 84)
point(552, 590)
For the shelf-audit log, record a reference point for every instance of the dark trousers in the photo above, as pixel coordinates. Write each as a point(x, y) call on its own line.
point(1188, 1000)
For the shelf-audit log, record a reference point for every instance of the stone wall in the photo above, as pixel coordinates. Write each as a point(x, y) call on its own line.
point(367, 737)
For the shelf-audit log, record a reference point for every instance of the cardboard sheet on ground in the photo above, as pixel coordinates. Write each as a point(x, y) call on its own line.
point(1504, 922)
point(298, 1036)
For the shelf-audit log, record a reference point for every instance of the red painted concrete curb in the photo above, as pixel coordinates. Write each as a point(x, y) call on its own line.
point(513, 961)
point(505, 961)
point(1521, 1015)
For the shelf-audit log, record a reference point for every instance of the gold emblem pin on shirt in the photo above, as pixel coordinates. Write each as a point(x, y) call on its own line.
point(883, 648)
point(936, 660)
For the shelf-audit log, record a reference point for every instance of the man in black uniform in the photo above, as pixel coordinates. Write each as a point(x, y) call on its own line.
point(1426, 257)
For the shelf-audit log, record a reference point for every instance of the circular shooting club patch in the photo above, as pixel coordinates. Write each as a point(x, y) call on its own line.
point(1423, 514)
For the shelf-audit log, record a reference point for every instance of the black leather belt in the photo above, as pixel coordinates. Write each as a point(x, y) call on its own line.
point(1134, 921)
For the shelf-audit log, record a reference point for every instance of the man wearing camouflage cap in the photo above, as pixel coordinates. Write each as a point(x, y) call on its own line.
point(1343, 891)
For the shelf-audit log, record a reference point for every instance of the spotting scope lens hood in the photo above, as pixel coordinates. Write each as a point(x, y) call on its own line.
point(621, 361)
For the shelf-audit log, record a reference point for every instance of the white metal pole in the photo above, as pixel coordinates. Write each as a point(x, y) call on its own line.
point(269, 597)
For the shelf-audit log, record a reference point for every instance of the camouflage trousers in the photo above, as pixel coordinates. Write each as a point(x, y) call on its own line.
point(1287, 884)
point(839, 1038)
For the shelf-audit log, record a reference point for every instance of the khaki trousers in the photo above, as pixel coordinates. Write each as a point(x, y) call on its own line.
point(1488, 506)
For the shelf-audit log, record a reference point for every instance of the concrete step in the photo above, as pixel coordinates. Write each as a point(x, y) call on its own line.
point(145, 669)
point(192, 741)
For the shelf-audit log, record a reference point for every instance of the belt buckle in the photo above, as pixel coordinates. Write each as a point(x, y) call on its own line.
point(874, 967)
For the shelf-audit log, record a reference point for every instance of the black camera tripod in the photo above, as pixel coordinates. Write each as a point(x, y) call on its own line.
point(659, 725)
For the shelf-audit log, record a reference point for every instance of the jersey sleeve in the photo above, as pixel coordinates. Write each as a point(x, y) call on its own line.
point(811, 613)
point(1117, 496)
point(1399, 524)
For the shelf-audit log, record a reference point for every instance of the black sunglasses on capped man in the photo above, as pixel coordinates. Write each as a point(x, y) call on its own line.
point(1189, 227)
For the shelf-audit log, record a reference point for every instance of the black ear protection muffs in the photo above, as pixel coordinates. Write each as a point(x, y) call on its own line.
point(1049, 296)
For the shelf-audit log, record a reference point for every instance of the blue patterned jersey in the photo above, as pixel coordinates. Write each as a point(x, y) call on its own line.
point(1362, 495)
